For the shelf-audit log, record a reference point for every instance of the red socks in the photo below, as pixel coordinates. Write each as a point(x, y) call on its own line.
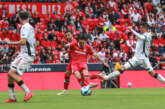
point(87, 79)
point(81, 81)
point(66, 81)
point(94, 76)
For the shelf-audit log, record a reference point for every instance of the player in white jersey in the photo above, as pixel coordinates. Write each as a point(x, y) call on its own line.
point(23, 60)
point(141, 54)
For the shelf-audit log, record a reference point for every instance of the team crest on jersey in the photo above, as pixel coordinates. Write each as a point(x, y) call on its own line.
point(85, 50)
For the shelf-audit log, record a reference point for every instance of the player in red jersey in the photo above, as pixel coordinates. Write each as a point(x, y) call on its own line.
point(80, 52)
point(70, 39)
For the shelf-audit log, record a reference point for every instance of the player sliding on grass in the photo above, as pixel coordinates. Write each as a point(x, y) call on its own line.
point(80, 52)
point(23, 60)
point(69, 70)
point(141, 54)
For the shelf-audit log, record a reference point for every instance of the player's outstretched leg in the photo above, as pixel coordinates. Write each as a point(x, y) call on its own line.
point(114, 74)
point(157, 76)
point(11, 91)
point(99, 76)
point(66, 83)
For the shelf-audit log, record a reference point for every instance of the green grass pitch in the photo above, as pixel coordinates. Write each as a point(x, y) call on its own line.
point(142, 98)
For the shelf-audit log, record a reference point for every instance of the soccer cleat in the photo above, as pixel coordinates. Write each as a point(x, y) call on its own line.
point(65, 92)
point(101, 78)
point(103, 73)
point(92, 85)
point(9, 101)
point(28, 96)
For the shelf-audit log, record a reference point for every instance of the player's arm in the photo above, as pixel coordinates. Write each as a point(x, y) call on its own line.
point(70, 45)
point(23, 36)
point(35, 45)
point(99, 58)
point(63, 42)
point(22, 41)
point(142, 37)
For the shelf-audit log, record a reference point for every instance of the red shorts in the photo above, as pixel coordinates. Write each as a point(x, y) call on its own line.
point(79, 67)
point(69, 68)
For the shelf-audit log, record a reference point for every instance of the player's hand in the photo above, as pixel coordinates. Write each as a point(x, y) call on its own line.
point(105, 64)
point(7, 41)
point(62, 40)
point(130, 28)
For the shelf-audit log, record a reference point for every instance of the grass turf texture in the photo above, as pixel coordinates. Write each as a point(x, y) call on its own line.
point(149, 98)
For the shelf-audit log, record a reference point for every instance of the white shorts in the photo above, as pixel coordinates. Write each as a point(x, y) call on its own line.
point(145, 63)
point(21, 63)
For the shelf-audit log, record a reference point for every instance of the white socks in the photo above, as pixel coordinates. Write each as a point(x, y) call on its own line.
point(161, 78)
point(111, 75)
point(24, 87)
point(12, 93)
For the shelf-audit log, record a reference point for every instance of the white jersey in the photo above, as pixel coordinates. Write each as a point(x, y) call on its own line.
point(143, 46)
point(27, 31)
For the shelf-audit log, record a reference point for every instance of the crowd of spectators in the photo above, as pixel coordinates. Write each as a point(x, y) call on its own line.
point(104, 22)
point(39, 1)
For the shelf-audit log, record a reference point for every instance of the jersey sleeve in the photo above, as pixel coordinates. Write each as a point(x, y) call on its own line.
point(90, 50)
point(73, 41)
point(71, 45)
point(24, 32)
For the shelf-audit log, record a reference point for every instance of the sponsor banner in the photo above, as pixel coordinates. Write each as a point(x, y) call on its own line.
point(62, 68)
point(58, 67)
point(42, 8)
point(55, 68)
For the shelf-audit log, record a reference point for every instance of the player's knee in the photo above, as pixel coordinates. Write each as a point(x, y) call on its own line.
point(85, 72)
point(122, 69)
point(68, 73)
point(77, 75)
point(153, 74)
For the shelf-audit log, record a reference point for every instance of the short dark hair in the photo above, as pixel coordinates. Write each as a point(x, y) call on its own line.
point(82, 37)
point(68, 31)
point(144, 24)
point(23, 15)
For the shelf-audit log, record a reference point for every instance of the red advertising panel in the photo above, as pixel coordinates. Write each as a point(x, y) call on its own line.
point(140, 79)
point(45, 81)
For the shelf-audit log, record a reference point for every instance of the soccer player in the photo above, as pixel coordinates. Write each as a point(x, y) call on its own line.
point(23, 60)
point(141, 56)
point(80, 52)
point(70, 39)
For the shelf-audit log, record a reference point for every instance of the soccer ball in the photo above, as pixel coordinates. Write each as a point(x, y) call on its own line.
point(86, 91)
point(129, 85)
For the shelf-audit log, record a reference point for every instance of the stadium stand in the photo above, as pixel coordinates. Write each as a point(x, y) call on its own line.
point(104, 22)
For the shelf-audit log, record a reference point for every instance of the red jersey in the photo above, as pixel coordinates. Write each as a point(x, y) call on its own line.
point(80, 55)
point(71, 42)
